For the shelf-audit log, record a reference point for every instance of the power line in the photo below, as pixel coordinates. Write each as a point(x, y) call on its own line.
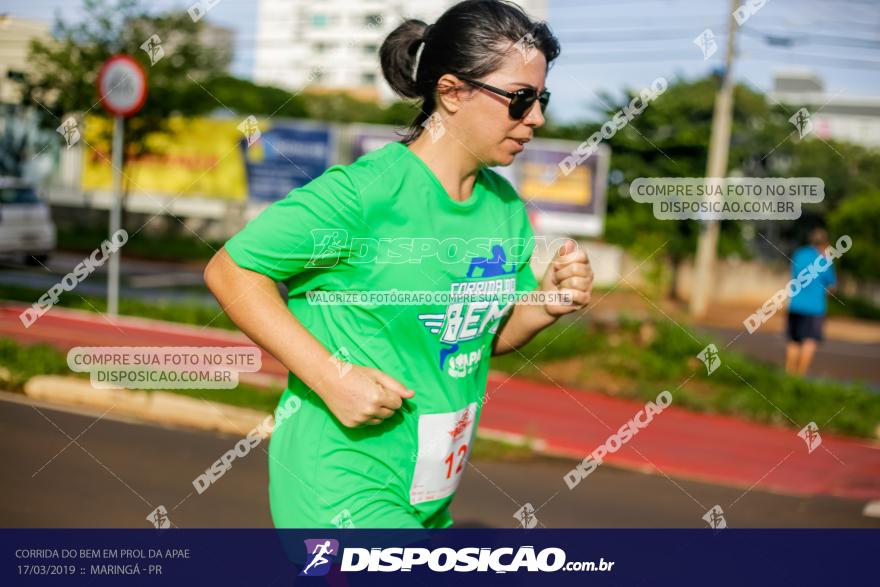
point(797, 37)
point(637, 34)
point(685, 58)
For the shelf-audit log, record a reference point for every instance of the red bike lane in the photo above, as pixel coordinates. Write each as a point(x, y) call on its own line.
point(567, 422)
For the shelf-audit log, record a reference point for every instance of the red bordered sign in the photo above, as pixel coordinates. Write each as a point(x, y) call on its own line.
point(122, 86)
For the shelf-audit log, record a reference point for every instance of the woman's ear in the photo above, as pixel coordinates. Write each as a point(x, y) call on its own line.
point(450, 91)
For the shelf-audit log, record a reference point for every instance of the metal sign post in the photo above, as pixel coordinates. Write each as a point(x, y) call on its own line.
point(122, 89)
point(115, 215)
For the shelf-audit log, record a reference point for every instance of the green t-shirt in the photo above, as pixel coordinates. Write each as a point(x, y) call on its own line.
point(380, 224)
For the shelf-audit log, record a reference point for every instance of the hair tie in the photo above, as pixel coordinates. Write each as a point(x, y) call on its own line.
point(422, 42)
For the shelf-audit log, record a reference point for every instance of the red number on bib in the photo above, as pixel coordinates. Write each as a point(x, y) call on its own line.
point(462, 451)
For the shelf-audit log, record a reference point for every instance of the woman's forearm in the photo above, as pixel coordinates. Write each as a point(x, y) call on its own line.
point(364, 396)
point(525, 322)
point(252, 302)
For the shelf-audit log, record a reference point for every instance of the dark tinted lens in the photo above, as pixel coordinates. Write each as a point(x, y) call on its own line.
point(521, 102)
point(544, 99)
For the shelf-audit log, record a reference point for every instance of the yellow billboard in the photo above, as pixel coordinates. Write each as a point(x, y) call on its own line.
point(540, 180)
point(192, 157)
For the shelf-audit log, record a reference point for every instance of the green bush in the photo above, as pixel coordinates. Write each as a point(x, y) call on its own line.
point(183, 312)
point(26, 361)
point(859, 218)
point(166, 247)
point(566, 339)
point(740, 386)
point(853, 307)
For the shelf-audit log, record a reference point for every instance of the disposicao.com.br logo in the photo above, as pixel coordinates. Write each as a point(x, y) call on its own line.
point(321, 553)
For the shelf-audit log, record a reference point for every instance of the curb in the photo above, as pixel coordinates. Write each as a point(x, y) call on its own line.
point(156, 406)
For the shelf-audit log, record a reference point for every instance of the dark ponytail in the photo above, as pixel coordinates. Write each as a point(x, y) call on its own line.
point(398, 56)
point(471, 39)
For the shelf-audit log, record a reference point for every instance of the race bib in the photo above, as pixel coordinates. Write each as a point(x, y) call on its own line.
point(444, 445)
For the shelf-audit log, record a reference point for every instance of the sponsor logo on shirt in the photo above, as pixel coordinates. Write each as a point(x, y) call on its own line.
point(462, 364)
point(476, 313)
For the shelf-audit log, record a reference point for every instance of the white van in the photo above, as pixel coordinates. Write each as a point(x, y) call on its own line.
point(26, 226)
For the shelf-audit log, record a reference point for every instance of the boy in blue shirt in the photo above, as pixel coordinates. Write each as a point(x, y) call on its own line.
point(806, 311)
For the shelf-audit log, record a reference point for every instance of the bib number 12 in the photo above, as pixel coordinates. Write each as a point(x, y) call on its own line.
point(444, 442)
point(450, 460)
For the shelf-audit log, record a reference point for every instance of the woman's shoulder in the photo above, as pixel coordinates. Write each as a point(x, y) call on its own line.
point(374, 164)
point(353, 178)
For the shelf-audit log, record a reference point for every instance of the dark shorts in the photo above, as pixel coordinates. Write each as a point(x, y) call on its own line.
point(801, 326)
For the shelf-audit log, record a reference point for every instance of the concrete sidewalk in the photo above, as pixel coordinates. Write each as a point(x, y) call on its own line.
point(565, 421)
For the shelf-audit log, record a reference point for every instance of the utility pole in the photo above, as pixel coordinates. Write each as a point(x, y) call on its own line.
point(716, 167)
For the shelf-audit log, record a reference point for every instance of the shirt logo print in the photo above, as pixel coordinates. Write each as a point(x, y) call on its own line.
point(470, 318)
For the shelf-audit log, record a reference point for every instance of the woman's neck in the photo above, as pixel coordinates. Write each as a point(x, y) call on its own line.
point(450, 160)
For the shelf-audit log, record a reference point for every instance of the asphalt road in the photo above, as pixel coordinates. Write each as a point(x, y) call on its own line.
point(72, 469)
point(835, 359)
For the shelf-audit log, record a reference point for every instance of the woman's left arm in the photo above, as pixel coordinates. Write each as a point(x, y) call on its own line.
point(569, 272)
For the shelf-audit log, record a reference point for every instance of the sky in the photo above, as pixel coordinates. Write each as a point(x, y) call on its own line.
point(609, 45)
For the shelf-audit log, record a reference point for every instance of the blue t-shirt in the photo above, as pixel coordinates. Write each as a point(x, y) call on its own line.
point(811, 299)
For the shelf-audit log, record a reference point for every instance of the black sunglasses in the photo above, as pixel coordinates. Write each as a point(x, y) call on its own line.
point(520, 101)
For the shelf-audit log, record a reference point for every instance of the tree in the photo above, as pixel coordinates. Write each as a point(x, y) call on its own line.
point(244, 98)
point(65, 70)
point(670, 138)
point(859, 218)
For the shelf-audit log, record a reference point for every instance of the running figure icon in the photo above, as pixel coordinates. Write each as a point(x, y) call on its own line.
point(318, 559)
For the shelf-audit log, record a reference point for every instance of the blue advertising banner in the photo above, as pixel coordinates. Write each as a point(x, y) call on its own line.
point(285, 156)
point(422, 557)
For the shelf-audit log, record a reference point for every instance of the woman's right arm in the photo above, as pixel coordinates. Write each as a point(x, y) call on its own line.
point(251, 300)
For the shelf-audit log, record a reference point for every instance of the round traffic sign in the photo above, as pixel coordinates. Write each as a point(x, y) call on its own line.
point(122, 85)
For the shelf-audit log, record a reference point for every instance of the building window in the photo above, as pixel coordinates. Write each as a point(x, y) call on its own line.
point(368, 79)
point(371, 49)
point(319, 20)
point(373, 20)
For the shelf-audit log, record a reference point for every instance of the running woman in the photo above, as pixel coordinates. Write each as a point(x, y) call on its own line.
point(390, 394)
